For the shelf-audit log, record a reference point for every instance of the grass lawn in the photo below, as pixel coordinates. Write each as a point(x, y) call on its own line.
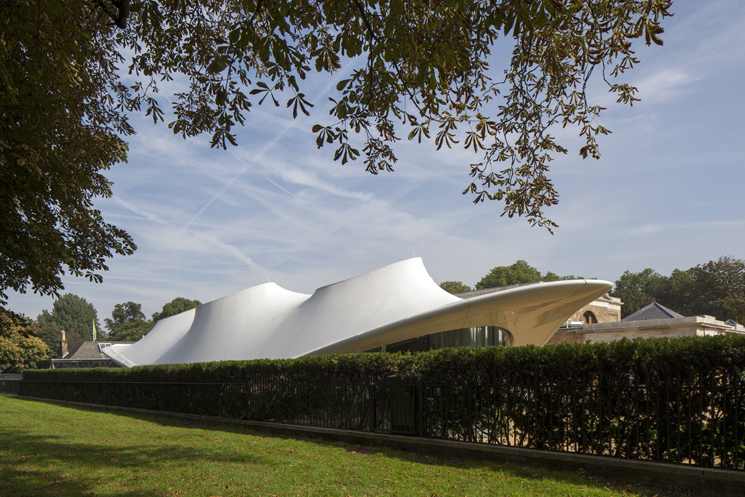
point(53, 449)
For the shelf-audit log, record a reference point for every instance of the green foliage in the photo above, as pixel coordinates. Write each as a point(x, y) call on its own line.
point(519, 272)
point(49, 333)
point(20, 349)
point(175, 306)
point(61, 117)
point(550, 276)
point(128, 323)
point(74, 315)
point(131, 331)
point(654, 399)
point(716, 288)
point(455, 287)
point(124, 313)
point(633, 300)
point(637, 290)
point(51, 337)
point(647, 281)
point(64, 107)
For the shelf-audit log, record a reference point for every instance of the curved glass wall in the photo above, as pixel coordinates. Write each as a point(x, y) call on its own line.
point(478, 336)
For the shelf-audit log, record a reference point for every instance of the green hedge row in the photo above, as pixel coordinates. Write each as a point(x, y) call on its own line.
point(677, 400)
point(692, 355)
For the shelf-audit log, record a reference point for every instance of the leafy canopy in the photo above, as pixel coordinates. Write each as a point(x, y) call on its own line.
point(124, 313)
point(427, 74)
point(20, 348)
point(519, 272)
point(716, 288)
point(73, 314)
point(455, 287)
point(127, 322)
point(131, 331)
point(175, 306)
point(61, 123)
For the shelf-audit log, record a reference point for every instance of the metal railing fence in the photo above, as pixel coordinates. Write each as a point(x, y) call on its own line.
point(683, 418)
point(10, 383)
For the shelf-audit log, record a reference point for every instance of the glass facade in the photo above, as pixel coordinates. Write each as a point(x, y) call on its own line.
point(478, 336)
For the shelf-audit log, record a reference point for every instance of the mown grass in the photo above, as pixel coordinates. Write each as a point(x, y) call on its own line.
point(51, 449)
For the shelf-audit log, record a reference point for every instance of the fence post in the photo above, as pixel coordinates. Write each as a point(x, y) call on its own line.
point(372, 393)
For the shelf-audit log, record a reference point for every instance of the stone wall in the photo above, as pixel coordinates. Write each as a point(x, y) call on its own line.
point(668, 328)
point(567, 336)
point(606, 309)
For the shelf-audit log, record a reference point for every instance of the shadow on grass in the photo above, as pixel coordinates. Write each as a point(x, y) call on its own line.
point(47, 450)
point(54, 455)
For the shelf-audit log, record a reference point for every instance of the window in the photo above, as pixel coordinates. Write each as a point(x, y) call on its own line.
point(590, 317)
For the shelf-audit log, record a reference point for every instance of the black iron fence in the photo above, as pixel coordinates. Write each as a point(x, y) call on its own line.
point(679, 418)
point(10, 383)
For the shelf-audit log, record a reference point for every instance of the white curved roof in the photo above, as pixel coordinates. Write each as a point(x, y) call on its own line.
point(385, 306)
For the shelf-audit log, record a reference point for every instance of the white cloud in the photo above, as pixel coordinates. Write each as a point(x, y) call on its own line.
point(646, 229)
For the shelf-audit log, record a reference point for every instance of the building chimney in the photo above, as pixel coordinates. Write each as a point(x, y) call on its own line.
point(63, 345)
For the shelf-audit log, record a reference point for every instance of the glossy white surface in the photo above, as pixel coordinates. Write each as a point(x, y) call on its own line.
point(391, 304)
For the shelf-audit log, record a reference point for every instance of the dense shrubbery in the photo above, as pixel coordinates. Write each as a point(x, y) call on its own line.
point(642, 356)
point(20, 348)
point(678, 400)
point(716, 288)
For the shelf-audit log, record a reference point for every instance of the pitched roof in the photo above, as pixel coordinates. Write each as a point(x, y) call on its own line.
point(88, 350)
point(653, 311)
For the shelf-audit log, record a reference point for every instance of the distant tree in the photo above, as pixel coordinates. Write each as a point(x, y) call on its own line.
point(20, 348)
point(637, 290)
point(455, 287)
point(716, 288)
point(677, 292)
point(647, 281)
point(550, 276)
point(633, 300)
point(131, 331)
point(126, 312)
point(49, 334)
point(128, 323)
point(175, 306)
point(519, 272)
point(74, 315)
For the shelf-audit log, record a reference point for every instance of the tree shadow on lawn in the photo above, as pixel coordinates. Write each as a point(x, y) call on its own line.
point(526, 471)
point(138, 454)
point(41, 464)
point(585, 478)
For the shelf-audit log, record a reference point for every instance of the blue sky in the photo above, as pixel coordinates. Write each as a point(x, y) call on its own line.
point(667, 192)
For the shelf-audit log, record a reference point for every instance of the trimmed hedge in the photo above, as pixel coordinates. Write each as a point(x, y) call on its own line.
point(695, 355)
point(676, 400)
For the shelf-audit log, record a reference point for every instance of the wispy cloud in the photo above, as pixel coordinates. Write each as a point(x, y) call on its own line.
point(666, 194)
point(646, 229)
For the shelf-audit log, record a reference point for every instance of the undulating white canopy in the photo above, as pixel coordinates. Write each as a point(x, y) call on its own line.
point(389, 305)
